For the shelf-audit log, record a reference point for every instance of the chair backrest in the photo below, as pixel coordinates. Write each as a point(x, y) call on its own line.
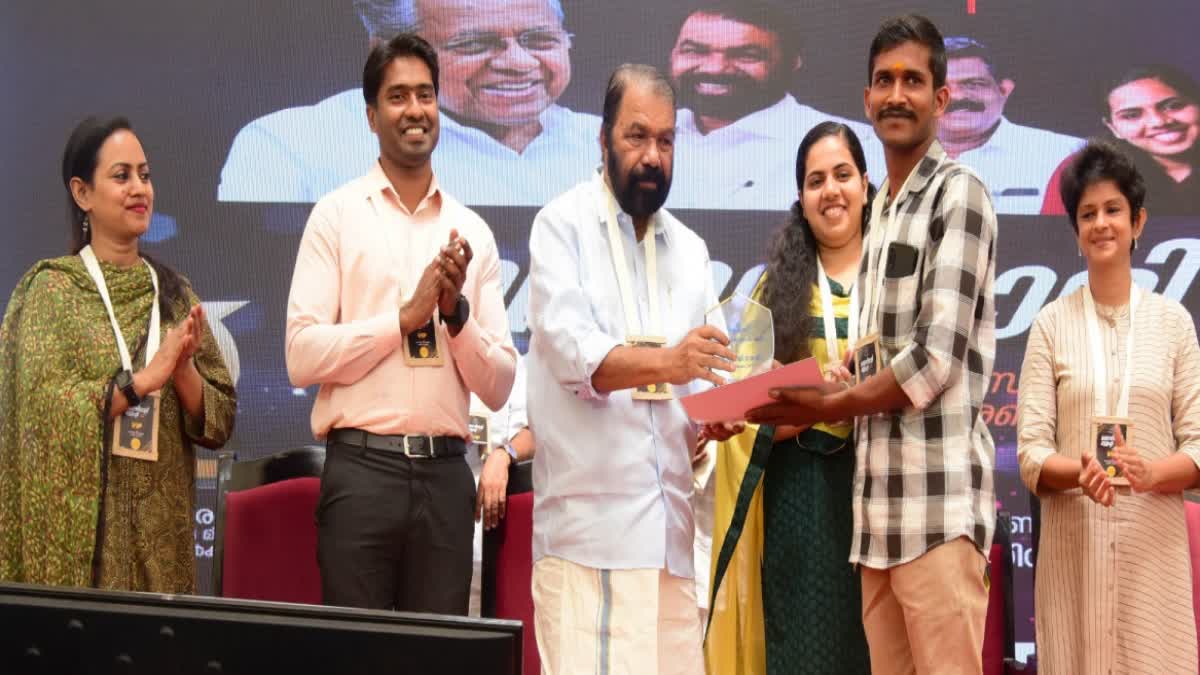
point(507, 567)
point(998, 630)
point(234, 476)
point(1192, 515)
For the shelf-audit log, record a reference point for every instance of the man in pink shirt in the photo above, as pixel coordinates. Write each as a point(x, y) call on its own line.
point(396, 311)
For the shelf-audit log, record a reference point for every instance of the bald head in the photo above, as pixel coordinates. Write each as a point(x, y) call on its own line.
point(384, 19)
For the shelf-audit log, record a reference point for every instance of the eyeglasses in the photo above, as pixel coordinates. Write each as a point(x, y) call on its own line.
point(536, 40)
point(960, 42)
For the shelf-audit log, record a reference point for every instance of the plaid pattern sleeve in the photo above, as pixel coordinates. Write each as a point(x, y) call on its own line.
point(924, 475)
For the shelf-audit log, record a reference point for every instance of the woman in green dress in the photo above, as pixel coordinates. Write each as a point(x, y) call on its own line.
point(812, 602)
point(810, 594)
point(71, 512)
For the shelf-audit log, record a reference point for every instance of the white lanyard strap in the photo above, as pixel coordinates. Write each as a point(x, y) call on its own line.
point(831, 337)
point(632, 324)
point(877, 243)
point(152, 339)
point(1099, 367)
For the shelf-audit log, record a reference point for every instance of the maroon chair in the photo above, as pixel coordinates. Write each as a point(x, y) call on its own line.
point(998, 648)
point(1192, 514)
point(266, 538)
point(507, 568)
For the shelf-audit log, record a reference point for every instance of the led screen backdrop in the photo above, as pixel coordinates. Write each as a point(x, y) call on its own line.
point(250, 111)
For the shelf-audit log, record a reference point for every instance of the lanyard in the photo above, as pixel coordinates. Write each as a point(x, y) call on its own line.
point(877, 241)
point(152, 339)
point(632, 324)
point(1099, 366)
point(831, 338)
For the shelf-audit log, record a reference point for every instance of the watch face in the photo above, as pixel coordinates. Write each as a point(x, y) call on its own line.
point(124, 382)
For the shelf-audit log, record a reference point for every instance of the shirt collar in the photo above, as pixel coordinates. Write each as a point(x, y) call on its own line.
point(552, 120)
point(661, 221)
point(925, 169)
point(763, 122)
point(1001, 140)
point(378, 183)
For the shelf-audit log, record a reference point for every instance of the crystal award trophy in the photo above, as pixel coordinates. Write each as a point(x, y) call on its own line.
point(751, 332)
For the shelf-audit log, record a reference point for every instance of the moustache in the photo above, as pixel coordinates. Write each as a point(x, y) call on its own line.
point(655, 175)
point(967, 104)
point(896, 111)
point(1169, 126)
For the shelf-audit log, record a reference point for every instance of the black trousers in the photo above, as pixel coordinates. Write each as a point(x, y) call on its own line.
point(395, 533)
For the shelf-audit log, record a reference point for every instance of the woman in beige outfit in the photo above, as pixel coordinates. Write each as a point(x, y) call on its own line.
point(1114, 590)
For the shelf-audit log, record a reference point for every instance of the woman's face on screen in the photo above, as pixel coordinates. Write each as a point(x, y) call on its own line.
point(834, 193)
point(1154, 116)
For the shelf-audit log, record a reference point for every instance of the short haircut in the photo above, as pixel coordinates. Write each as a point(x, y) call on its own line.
point(763, 14)
point(382, 54)
point(1169, 75)
point(963, 47)
point(618, 83)
point(910, 28)
point(385, 19)
point(1098, 161)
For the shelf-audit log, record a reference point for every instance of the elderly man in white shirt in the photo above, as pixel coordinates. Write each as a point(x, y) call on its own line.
point(1014, 161)
point(739, 130)
point(504, 140)
point(614, 346)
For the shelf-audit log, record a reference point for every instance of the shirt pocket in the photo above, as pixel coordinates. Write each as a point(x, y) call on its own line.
point(903, 301)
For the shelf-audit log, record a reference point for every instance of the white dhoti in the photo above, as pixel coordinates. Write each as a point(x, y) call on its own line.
point(615, 622)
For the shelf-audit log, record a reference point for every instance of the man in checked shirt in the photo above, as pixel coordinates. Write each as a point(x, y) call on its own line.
point(924, 504)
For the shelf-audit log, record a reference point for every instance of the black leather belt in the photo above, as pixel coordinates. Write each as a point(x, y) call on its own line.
point(425, 447)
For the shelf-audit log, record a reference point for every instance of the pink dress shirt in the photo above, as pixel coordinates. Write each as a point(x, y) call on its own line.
point(361, 256)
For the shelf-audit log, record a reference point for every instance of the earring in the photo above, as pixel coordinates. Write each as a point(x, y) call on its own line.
point(1135, 244)
point(1079, 252)
point(86, 226)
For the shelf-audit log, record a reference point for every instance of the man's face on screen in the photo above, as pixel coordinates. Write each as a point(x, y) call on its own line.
point(976, 98)
point(1152, 115)
point(502, 62)
point(405, 116)
point(900, 99)
point(639, 152)
point(726, 69)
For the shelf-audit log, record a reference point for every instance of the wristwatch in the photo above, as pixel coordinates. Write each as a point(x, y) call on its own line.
point(462, 309)
point(508, 449)
point(124, 382)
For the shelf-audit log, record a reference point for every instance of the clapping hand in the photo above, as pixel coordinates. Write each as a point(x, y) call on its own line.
point(453, 260)
point(419, 309)
point(177, 347)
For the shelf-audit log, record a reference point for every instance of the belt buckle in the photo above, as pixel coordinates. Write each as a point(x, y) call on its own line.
point(418, 446)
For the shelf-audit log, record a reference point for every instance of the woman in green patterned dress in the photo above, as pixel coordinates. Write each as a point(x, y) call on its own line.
point(812, 602)
point(72, 513)
point(810, 594)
